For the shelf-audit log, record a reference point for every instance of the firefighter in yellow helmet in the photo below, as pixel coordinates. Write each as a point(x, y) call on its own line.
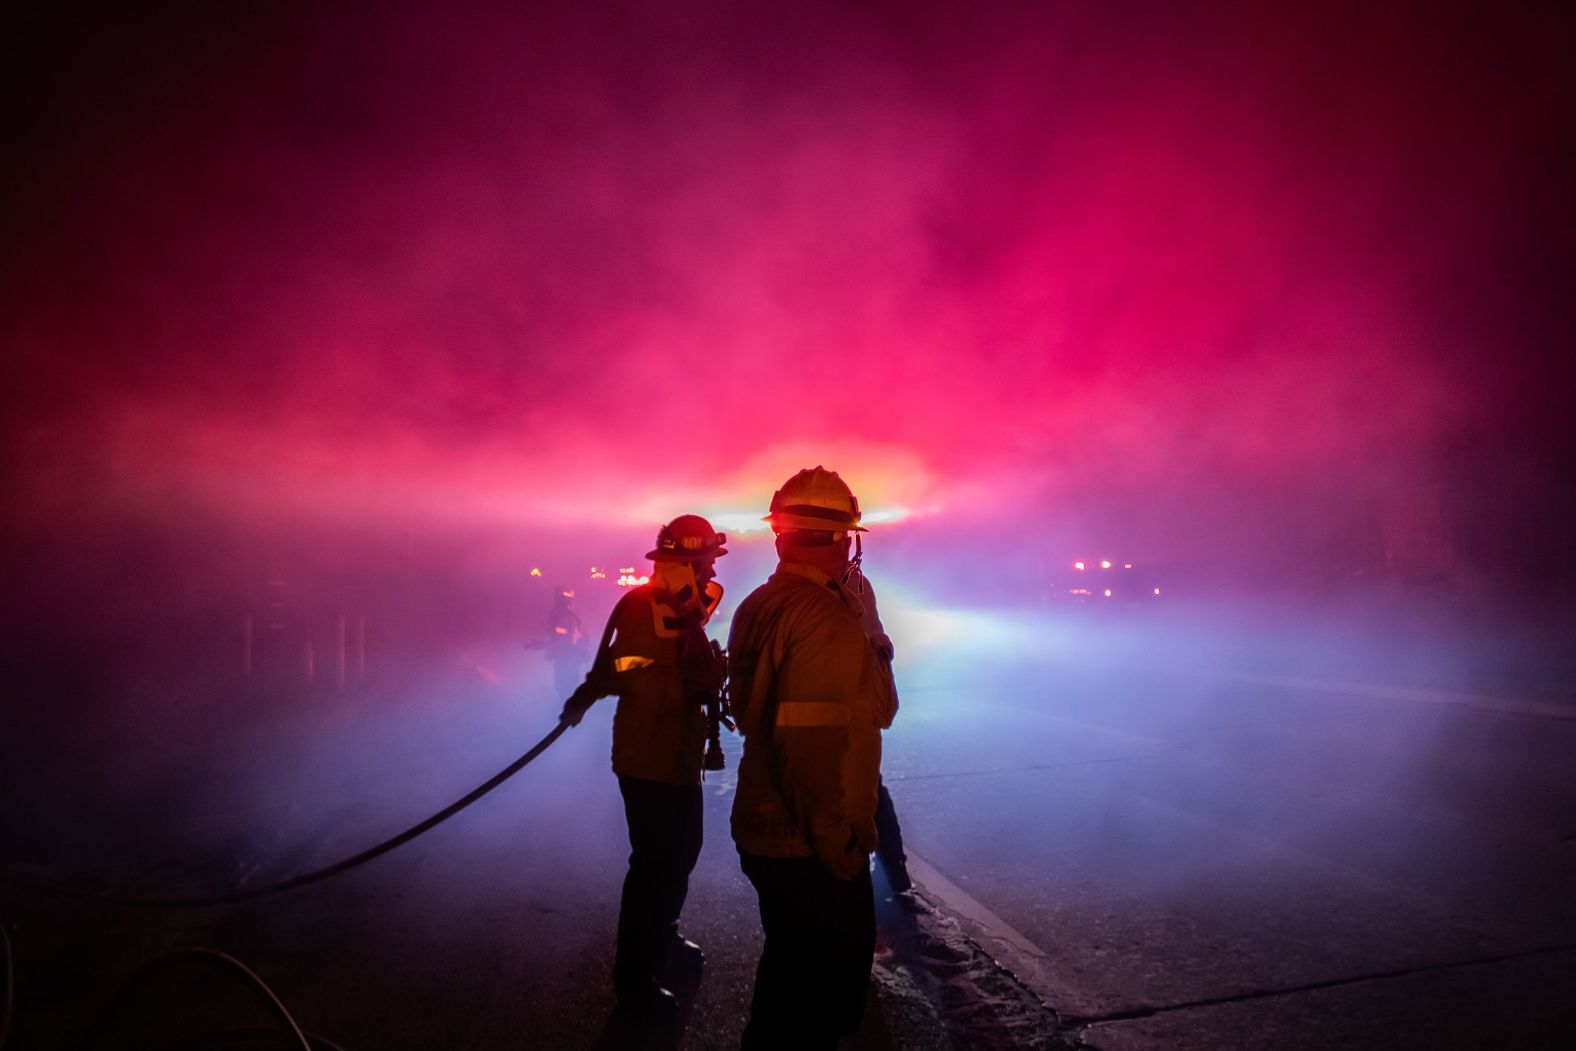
point(656, 658)
point(812, 697)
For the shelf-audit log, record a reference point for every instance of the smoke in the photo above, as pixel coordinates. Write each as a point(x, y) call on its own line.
point(337, 340)
point(496, 266)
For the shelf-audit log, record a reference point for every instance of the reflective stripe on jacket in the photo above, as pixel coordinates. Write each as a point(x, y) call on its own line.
point(811, 699)
point(659, 727)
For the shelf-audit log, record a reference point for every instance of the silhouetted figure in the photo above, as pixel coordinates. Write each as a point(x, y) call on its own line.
point(811, 697)
point(656, 658)
point(889, 834)
point(565, 642)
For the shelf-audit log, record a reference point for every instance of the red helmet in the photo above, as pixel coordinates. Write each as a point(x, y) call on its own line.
point(688, 538)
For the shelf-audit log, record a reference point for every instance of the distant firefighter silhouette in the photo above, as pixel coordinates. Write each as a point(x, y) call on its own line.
point(655, 657)
point(565, 642)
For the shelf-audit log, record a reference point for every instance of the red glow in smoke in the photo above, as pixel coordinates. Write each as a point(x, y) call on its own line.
point(485, 267)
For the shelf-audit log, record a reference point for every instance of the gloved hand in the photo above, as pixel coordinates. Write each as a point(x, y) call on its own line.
point(842, 850)
point(577, 705)
point(853, 859)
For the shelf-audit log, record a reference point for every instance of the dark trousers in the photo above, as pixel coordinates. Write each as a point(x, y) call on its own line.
point(664, 841)
point(820, 941)
point(889, 835)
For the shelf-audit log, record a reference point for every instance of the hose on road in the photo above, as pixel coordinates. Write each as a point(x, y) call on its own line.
point(288, 1034)
point(316, 875)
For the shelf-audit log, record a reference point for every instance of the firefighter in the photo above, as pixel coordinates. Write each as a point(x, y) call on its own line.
point(565, 650)
point(812, 698)
point(656, 658)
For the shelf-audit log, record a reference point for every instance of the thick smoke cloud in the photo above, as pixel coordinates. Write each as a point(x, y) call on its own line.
point(1173, 270)
point(324, 326)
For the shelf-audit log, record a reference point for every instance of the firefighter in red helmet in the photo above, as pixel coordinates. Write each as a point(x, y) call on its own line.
point(812, 696)
point(656, 659)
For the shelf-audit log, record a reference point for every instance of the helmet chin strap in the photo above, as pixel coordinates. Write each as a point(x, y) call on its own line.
point(854, 575)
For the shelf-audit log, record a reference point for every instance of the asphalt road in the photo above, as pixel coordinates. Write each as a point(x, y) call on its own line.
point(1187, 859)
point(1124, 844)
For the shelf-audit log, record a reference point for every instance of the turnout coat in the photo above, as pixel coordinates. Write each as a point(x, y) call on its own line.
point(660, 666)
point(811, 698)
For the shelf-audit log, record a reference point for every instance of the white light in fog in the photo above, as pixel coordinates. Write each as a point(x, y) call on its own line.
point(1157, 591)
point(1107, 592)
point(751, 521)
point(1105, 563)
point(737, 521)
point(1078, 565)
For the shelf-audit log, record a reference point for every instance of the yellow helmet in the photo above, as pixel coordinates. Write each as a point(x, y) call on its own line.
point(816, 499)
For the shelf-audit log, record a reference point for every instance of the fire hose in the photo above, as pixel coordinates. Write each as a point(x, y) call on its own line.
point(288, 1031)
point(291, 1034)
point(355, 860)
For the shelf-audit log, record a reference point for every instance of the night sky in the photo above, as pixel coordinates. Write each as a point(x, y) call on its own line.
point(1166, 273)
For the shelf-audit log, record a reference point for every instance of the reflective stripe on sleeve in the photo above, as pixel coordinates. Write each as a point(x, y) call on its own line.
point(631, 663)
point(806, 713)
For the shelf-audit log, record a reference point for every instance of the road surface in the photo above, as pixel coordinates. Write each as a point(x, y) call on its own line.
point(1124, 841)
